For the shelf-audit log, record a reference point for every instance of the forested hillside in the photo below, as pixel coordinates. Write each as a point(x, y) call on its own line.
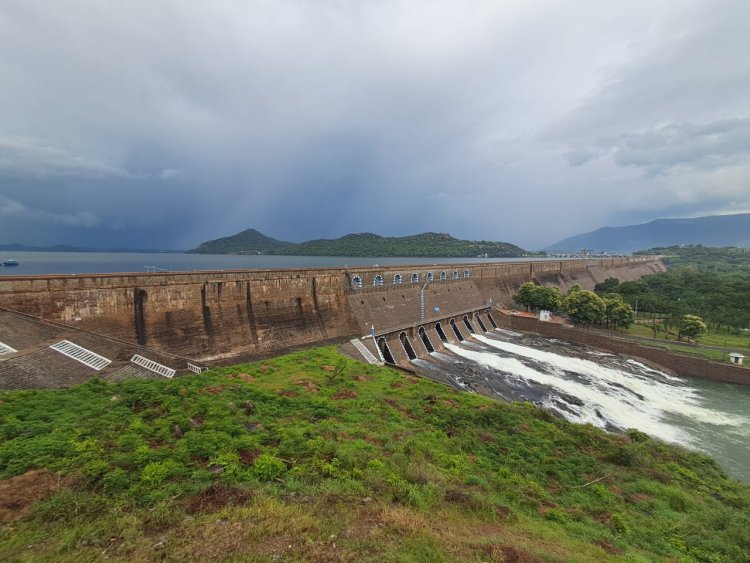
point(363, 244)
point(710, 282)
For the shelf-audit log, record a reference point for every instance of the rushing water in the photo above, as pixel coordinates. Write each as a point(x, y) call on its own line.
point(606, 390)
point(35, 263)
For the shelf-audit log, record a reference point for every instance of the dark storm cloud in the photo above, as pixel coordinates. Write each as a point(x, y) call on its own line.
point(167, 123)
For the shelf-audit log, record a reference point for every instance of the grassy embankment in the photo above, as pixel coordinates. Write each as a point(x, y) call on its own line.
point(314, 456)
point(722, 343)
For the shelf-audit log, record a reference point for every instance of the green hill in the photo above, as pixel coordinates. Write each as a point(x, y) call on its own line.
point(363, 244)
point(726, 259)
point(246, 242)
point(316, 457)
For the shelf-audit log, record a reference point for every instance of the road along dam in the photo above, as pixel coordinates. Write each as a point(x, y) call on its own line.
point(182, 318)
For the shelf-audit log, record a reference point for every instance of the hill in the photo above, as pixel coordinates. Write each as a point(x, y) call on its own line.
point(714, 230)
point(316, 457)
point(364, 244)
point(249, 241)
point(728, 259)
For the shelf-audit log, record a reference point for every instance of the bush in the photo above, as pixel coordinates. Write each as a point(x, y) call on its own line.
point(267, 467)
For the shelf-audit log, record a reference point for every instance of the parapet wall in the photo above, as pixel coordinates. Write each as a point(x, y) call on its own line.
point(210, 315)
point(681, 364)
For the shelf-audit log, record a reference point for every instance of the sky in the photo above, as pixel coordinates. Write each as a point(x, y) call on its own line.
point(166, 123)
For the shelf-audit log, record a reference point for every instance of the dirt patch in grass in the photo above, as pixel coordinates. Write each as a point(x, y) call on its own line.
point(362, 377)
point(309, 386)
point(608, 547)
point(247, 457)
point(246, 377)
point(509, 554)
point(345, 394)
point(215, 497)
point(287, 393)
point(214, 390)
point(19, 494)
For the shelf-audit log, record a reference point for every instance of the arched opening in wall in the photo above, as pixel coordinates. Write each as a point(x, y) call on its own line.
point(454, 326)
point(443, 276)
point(467, 322)
point(481, 324)
point(441, 334)
point(455, 274)
point(492, 321)
point(378, 281)
point(429, 276)
point(415, 278)
point(467, 274)
point(426, 339)
point(385, 351)
point(357, 282)
point(398, 279)
point(407, 346)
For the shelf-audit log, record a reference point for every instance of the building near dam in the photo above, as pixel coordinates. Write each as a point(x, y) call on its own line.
point(57, 330)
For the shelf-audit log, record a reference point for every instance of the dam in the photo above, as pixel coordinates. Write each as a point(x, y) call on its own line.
point(178, 321)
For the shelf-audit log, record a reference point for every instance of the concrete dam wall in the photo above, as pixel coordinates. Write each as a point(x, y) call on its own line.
point(219, 314)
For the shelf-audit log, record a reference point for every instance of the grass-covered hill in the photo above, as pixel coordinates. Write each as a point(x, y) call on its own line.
point(315, 457)
point(722, 259)
point(362, 244)
point(249, 241)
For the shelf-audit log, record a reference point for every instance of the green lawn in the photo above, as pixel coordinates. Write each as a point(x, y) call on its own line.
point(313, 456)
point(734, 343)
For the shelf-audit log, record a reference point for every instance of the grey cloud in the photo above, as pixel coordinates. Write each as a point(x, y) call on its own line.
point(579, 157)
point(698, 145)
point(16, 210)
point(26, 157)
point(172, 123)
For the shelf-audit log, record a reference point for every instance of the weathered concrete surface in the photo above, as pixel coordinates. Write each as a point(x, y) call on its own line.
point(213, 315)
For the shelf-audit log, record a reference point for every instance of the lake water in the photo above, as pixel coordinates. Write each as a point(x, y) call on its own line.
point(35, 263)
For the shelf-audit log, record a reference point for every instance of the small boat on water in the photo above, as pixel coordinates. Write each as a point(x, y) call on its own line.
point(10, 263)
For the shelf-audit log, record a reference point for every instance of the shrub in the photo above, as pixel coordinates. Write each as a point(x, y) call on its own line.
point(267, 467)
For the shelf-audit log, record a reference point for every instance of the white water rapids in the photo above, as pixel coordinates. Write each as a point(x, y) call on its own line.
point(606, 390)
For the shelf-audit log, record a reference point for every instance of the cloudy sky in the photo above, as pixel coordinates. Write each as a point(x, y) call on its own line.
point(164, 123)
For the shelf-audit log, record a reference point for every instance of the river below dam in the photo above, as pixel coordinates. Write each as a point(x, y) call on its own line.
point(609, 391)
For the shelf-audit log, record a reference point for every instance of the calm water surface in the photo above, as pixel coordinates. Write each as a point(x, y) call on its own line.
point(35, 263)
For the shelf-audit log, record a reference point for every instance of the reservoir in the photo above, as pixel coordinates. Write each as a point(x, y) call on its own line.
point(38, 263)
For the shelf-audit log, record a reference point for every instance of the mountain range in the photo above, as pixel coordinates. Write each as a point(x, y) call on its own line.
point(438, 245)
point(714, 230)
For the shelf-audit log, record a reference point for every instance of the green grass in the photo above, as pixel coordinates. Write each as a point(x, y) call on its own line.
point(731, 342)
point(313, 456)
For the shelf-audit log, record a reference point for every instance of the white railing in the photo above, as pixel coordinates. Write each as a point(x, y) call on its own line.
point(196, 369)
point(80, 354)
point(366, 354)
point(153, 366)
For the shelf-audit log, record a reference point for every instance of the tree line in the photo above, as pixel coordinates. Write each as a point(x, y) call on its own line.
point(582, 306)
point(608, 305)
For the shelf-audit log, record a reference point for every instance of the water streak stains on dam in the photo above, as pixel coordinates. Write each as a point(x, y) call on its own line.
point(212, 315)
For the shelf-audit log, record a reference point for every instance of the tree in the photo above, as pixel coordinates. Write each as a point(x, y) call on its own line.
point(584, 307)
point(610, 285)
point(691, 327)
point(548, 298)
point(533, 296)
point(617, 312)
point(573, 288)
point(526, 295)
